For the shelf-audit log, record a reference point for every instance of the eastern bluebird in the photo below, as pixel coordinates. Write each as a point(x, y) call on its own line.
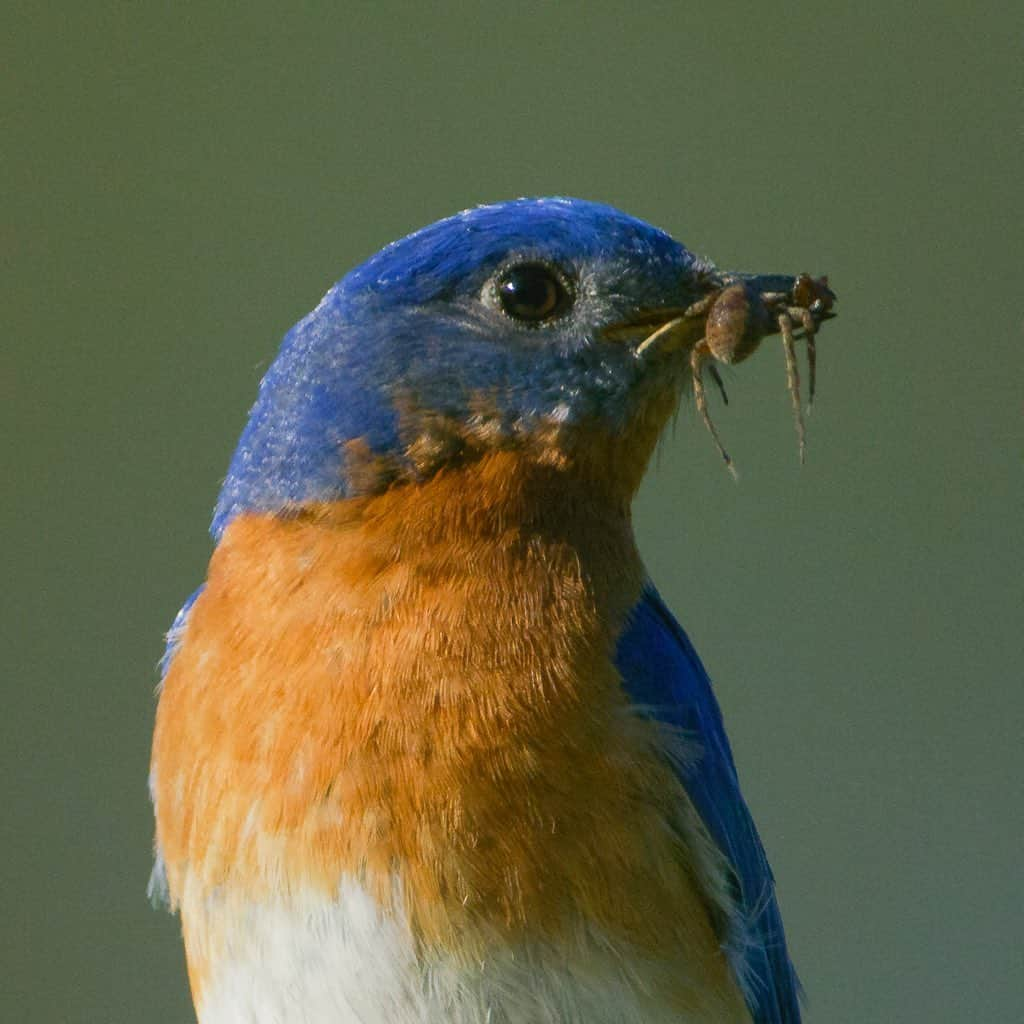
point(429, 746)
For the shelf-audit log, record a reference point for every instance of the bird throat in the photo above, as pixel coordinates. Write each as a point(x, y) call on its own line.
point(418, 690)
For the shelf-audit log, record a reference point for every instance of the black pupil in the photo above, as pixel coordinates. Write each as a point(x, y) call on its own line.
point(531, 292)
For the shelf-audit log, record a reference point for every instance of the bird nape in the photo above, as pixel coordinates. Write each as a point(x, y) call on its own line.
point(429, 746)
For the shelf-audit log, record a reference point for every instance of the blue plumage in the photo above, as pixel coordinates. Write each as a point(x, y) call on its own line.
point(663, 674)
point(456, 254)
point(413, 324)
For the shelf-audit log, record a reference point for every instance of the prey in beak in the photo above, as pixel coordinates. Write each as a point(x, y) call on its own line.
point(728, 324)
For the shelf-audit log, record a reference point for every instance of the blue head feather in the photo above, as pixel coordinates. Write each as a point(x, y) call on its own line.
point(418, 322)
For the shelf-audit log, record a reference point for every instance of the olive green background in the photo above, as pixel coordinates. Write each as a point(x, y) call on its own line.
point(181, 183)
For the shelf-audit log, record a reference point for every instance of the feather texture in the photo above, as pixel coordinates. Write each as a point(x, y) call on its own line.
point(664, 675)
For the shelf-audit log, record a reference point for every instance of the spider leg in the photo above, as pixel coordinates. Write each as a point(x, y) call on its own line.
point(793, 380)
point(655, 336)
point(697, 356)
point(810, 331)
point(717, 378)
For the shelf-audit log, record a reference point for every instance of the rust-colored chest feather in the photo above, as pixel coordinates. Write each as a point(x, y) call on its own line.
point(419, 688)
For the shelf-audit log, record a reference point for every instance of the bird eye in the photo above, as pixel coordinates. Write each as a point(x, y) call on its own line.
point(532, 292)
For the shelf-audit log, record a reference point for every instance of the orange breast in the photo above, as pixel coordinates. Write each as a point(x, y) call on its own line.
point(419, 687)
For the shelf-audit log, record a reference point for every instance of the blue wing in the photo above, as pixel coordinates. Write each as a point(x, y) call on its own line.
point(662, 673)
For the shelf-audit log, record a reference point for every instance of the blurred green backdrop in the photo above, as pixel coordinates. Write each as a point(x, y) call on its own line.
point(181, 183)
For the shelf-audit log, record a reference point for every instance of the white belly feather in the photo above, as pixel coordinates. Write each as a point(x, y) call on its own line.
point(312, 962)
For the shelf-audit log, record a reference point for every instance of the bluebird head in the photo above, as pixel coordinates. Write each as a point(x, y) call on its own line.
point(561, 327)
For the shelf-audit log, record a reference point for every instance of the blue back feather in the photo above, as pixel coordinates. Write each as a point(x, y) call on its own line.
point(663, 673)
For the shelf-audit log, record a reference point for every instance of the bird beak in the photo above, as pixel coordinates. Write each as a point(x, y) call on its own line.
point(727, 324)
point(734, 314)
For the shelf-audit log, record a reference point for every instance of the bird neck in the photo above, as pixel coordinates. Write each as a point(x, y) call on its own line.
point(418, 692)
point(404, 679)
